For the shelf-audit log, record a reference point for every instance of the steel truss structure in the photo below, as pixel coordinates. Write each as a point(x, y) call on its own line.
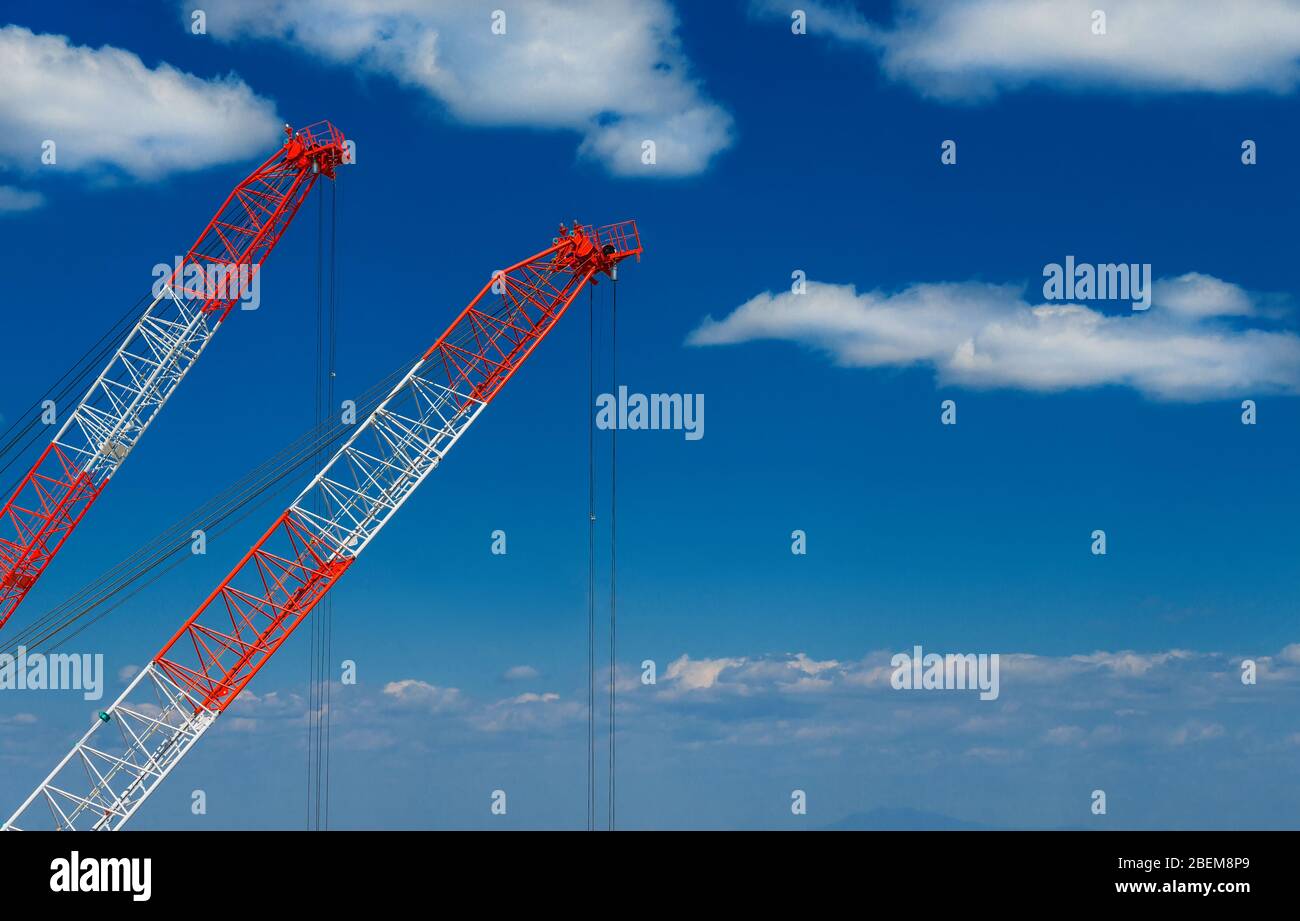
point(202, 669)
point(154, 358)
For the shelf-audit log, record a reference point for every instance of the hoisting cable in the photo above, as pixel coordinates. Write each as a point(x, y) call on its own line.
point(214, 518)
point(262, 483)
point(313, 653)
point(328, 651)
point(72, 383)
point(591, 559)
point(613, 542)
point(318, 689)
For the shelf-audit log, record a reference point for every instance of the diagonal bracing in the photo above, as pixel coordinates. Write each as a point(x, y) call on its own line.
point(202, 669)
point(156, 355)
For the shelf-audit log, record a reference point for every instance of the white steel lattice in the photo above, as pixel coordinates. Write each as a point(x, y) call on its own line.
point(142, 375)
point(383, 462)
point(214, 655)
point(107, 776)
point(120, 760)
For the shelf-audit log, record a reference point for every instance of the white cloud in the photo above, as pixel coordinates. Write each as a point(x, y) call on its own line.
point(413, 692)
point(521, 673)
point(274, 706)
point(1132, 715)
point(1184, 711)
point(976, 48)
point(1194, 342)
point(1132, 663)
point(754, 676)
point(1197, 295)
point(697, 674)
point(12, 199)
point(611, 70)
point(1094, 700)
point(531, 698)
point(528, 712)
point(104, 108)
point(796, 673)
point(810, 666)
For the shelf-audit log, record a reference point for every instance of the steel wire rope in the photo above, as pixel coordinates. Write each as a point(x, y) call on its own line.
point(613, 549)
point(90, 362)
point(253, 485)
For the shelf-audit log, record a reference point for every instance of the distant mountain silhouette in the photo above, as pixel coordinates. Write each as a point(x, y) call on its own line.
point(903, 820)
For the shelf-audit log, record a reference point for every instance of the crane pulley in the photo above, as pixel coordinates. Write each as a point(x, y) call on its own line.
point(135, 743)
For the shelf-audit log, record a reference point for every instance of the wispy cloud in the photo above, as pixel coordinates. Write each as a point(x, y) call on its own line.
point(422, 695)
point(1062, 726)
point(104, 109)
point(1106, 702)
point(1203, 338)
point(546, 712)
point(1164, 698)
point(18, 200)
point(612, 71)
point(974, 49)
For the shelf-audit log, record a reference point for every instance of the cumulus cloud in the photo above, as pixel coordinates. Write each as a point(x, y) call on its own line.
point(973, 49)
point(797, 672)
point(1199, 340)
point(546, 712)
point(421, 694)
point(273, 706)
point(521, 673)
point(1103, 701)
point(755, 675)
point(611, 70)
point(1095, 700)
point(1134, 717)
point(811, 666)
point(531, 698)
point(1162, 723)
point(698, 673)
point(104, 109)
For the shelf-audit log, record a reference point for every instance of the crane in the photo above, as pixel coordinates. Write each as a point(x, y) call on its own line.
point(98, 435)
point(202, 669)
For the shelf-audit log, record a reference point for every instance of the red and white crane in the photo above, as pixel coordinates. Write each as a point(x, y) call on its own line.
point(175, 699)
point(159, 351)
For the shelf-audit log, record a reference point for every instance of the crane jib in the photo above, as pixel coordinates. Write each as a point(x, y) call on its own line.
point(102, 430)
point(217, 651)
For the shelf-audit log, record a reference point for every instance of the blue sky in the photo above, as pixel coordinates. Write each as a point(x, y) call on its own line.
point(779, 152)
